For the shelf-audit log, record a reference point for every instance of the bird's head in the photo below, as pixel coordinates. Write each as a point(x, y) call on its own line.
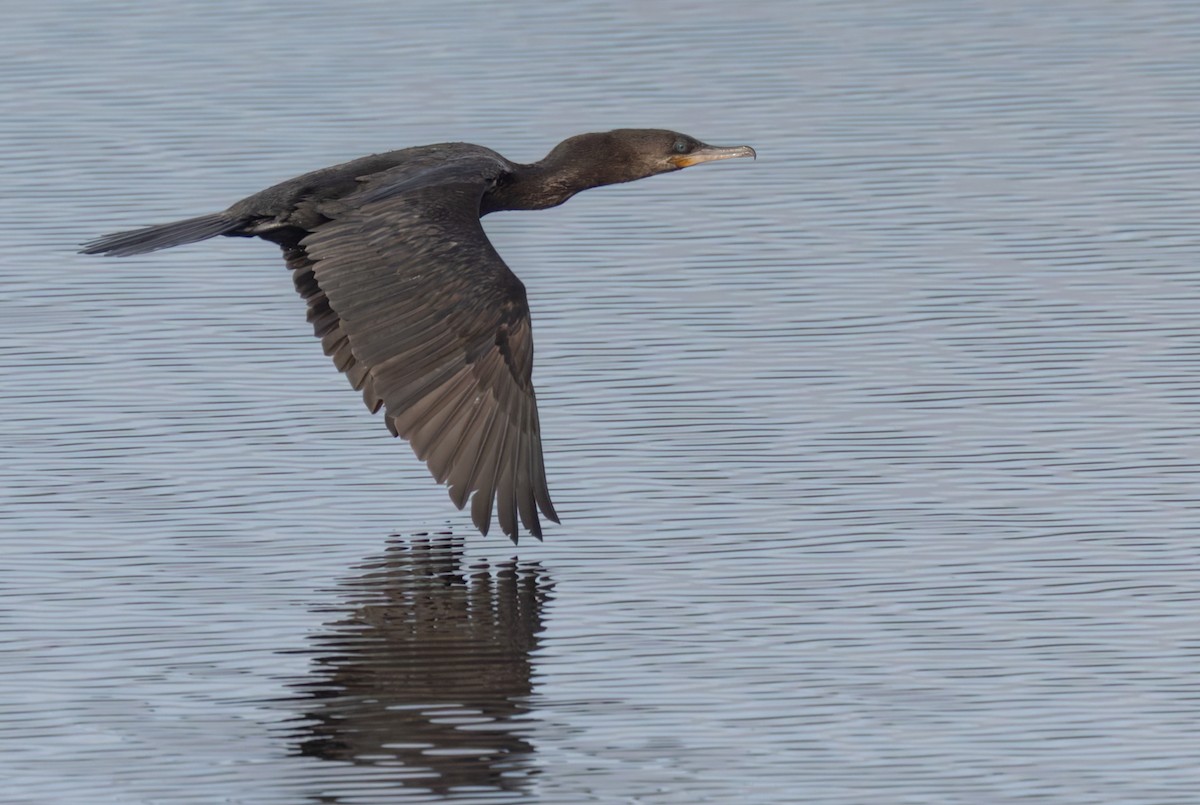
point(624, 155)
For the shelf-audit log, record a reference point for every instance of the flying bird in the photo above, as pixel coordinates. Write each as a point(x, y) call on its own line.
point(414, 305)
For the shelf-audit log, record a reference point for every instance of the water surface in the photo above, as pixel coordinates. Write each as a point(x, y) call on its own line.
point(877, 457)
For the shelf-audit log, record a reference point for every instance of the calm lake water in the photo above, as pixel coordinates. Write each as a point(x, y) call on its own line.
point(878, 457)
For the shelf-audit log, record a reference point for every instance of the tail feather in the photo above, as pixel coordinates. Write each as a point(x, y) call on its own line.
point(162, 236)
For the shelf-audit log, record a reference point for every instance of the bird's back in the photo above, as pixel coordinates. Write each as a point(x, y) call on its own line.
point(339, 181)
point(287, 211)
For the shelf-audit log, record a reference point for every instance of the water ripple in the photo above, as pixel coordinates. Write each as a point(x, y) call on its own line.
point(876, 456)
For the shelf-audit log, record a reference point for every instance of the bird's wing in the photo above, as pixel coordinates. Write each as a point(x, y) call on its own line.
point(413, 303)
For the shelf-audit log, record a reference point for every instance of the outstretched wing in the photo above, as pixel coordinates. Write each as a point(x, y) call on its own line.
point(413, 303)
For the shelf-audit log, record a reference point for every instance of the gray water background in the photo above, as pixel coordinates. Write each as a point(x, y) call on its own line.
point(877, 457)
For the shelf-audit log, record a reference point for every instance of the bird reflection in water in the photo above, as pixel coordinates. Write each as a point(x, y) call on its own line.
point(430, 670)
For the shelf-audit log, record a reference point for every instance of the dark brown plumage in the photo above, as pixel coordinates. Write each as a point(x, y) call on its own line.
point(413, 303)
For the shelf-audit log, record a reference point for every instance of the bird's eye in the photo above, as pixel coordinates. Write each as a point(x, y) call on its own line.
point(682, 147)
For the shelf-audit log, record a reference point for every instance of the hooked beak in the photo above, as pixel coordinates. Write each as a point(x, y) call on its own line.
point(711, 153)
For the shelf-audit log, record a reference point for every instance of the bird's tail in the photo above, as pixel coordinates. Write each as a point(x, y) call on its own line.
point(162, 236)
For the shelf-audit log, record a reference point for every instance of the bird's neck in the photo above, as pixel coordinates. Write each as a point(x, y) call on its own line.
point(537, 186)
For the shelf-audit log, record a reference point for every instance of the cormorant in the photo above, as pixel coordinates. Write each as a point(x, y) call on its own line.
point(414, 305)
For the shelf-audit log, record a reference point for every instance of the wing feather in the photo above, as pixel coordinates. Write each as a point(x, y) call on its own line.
point(413, 303)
